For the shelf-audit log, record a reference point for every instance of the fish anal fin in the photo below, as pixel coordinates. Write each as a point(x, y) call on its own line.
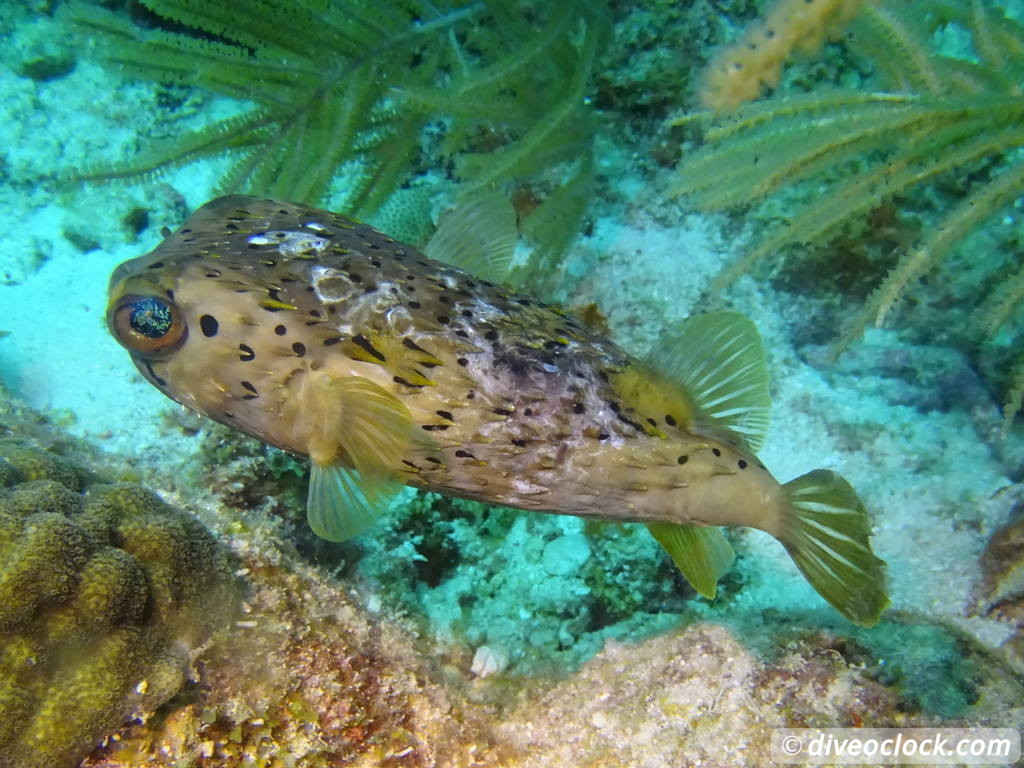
point(702, 553)
point(719, 360)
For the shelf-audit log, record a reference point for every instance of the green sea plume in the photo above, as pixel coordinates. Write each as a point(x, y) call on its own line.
point(926, 115)
point(104, 595)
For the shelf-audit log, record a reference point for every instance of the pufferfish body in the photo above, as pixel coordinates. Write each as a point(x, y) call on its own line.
point(326, 338)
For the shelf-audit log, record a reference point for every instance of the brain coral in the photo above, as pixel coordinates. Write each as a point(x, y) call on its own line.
point(103, 597)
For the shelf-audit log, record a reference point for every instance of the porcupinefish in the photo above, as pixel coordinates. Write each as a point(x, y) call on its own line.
point(324, 337)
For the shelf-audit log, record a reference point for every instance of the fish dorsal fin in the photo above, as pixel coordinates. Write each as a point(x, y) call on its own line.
point(340, 506)
point(360, 434)
point(700, 552)
point(719, 360)
point(478, 236)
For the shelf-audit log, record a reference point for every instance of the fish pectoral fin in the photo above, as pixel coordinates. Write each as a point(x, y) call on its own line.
point(340, 505)
point(701, 552)
point(361, 424)
point(719, 360)
point(826, 531)
point(479, 236)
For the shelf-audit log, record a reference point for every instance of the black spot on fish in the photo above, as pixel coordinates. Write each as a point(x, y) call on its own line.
point(742, 464)
point(462, 334)
point(716, 452)
point(209, 325)
point(253, 394)
point(445, 415)
point(464, 454)
point(434, 460)
point(466, 313)
point(280, 330)
point(670, 420)
point(403, 382)
point(414, 305)
point(363, 343)
point(528, 412)
point(355, 277)
point(299, 349)
point(247, 353)
point(578, 408)
point(603, 436)
point(491, 335)
point(652, 422)
point(502, 412)
point(213, 273)
point(443, 319)
point(519, 443)
point(462, 361)
point(436, 427)
point(682, 459)
point(331, 341)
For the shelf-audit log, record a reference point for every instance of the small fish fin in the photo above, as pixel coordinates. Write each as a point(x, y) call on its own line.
point(362, 425)
point(340, 505)
point(826, 531)
point(719, 359)
point(701, 552)
point(478, 236)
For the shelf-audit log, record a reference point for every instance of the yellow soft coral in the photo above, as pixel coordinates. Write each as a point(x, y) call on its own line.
point(740, 71)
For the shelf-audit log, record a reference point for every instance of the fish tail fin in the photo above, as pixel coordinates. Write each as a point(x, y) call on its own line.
point(826, 531)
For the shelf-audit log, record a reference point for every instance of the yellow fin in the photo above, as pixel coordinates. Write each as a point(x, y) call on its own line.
point(719, 360)
point(351, 421)
point(478, 235)
point(356, 434)
point(339, 506)
point(827, 533)
point(700, 552)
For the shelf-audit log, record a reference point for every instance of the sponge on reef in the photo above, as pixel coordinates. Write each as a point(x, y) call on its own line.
point(104, 595)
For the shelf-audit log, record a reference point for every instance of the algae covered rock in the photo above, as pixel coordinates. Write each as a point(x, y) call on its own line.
point(103, 597)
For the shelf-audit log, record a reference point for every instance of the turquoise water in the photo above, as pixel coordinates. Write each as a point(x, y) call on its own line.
point(523, 621)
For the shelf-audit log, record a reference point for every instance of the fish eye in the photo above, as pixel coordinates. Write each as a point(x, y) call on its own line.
point(150, 326)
